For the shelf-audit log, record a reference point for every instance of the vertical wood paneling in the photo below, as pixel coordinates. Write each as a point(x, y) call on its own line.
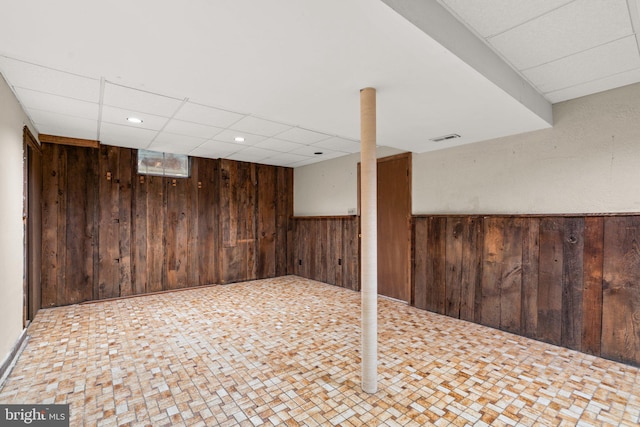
point(572, 283)
point(125, 171)
point(156, 218)
point(267, 218)
point(621, 289)
point(530, 262)
point(50, 185)
point(128, 234)
point(550, 280)
point(109, 234)
point(471, 266)
point(436, 268)
point(493, 256)
point(511, 277)
point(420, 259)
point(593, 276)
point(208, 211)
point(454, 266)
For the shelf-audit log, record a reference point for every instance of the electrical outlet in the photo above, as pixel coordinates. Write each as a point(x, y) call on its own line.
point(351, 211)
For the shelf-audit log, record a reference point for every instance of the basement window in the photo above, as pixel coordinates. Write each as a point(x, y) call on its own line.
point(163, 164)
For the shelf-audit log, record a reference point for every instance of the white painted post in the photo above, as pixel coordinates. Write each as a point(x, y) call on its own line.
point(369, 242)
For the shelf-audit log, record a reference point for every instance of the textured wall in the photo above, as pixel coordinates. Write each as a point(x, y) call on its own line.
point(12, 120)
point(587, 163)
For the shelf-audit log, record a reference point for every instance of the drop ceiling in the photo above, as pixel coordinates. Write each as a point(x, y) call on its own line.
point(285, 75)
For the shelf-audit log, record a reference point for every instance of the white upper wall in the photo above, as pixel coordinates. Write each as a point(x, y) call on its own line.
point(329, 187)
point(589, 162)
point(12, 120)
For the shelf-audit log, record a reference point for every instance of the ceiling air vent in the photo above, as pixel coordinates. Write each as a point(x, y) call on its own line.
point(445, 137)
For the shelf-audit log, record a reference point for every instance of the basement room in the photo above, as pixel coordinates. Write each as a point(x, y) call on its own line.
point(321, 213)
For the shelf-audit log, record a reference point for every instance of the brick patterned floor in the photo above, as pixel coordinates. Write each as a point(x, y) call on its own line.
point(286, 352)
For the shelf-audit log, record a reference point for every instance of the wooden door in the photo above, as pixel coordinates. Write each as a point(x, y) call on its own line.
point(394, 226)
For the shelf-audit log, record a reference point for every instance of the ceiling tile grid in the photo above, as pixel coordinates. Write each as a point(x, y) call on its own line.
point(565, 49)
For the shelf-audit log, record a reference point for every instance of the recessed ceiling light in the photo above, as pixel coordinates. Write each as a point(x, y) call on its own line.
point(239, 139)
point(317, 153)
point(134, 120)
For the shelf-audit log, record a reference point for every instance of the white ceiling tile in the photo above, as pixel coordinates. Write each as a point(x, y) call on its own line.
point(172, 143)
point(118, 116)
point(317, 152)
point(339, 144)
point(138, 100)
point(613, 58)
point(490, 17)
point(78, 127)
point(285, 159)
point(617, 80)
point(302, 136)
point(215, 149)
point(276, 144)
point(251, 154)
point(578, 26)
point(125, 136)
point(230, 135)
point(29, 76)
point(258, 126)
point(192, 112)
point(308, 161)
point(57, 104)
point(192, 129)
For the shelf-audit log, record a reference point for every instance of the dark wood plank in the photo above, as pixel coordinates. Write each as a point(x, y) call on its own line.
point(284, 211)
point(334, 237)
point(471, 266)
point(572, 283)
point(157, 217)
point(592, 295)
point(511, 276)
point(550, 279)
point(530, 263)
point(81, 199)
point(351, 251)
point(420, 256)
point(125, 170)
point(493, 257)
point(63, 221)
point(191, 215)
point(453, 266)
point(109, 246)
point(139, 213)
point(436, 268)
point(267, 219)
point(50, 211)
point(621, 289)
point(207, 222)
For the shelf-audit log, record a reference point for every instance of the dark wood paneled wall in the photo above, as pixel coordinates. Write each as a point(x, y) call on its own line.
point(327, 249)
point(109, 232)
point(570, 281)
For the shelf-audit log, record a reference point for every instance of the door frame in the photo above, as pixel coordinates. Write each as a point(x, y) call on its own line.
point(409, 248)
point(32, 225)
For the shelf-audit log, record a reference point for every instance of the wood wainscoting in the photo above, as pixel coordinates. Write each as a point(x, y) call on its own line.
point(327, 249)
point(108, 232)
point(573, 281)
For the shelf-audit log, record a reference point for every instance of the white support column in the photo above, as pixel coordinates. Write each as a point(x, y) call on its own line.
point(369, 241)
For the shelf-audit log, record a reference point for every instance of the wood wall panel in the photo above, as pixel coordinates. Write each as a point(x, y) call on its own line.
point(621, 289)
point(109, 232)
point(326, 249)
point(568, 280)
point(69, 227)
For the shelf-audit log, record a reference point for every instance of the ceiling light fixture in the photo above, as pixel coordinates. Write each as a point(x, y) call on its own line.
point(239, 139)
point(134, 120)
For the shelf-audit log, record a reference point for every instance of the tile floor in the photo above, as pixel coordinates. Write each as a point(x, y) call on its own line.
point(286, 352)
